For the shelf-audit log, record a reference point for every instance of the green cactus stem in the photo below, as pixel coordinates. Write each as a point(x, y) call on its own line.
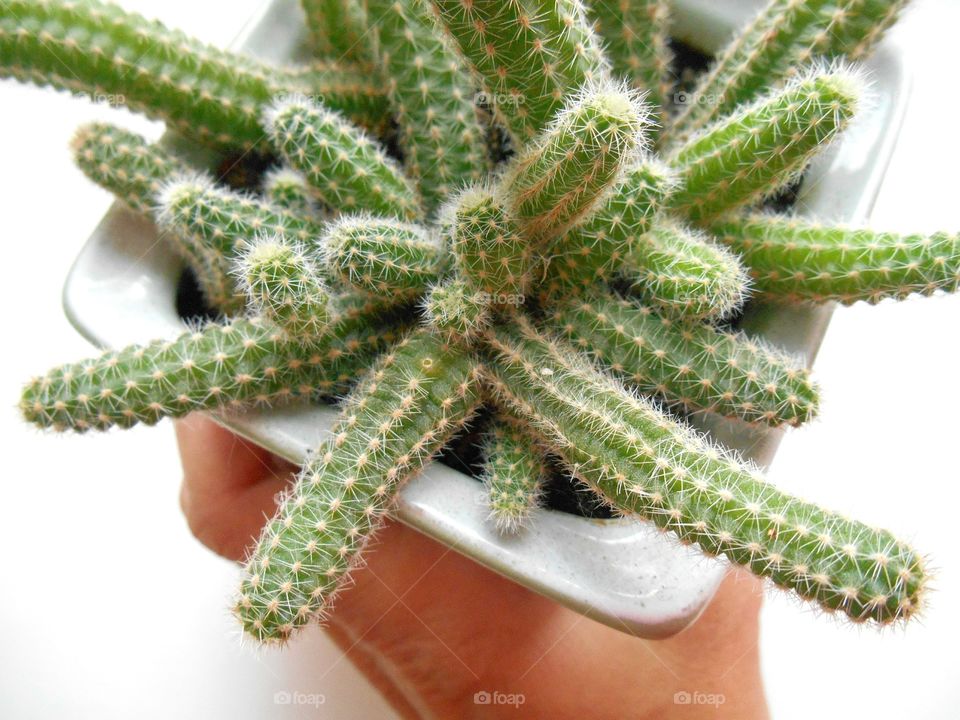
point(684, 274)
point(287, 189)
point(224, 220)
point(393, 260)
point(636, 36)
point(513, 474)
point(596, 249)
point(491, 253)
point(458, 311)
point(218, 97)
point(284, 285)
point(125, 163)
point(691, 366)
point(418, 396)
point(558, 179)
point(345, 167)
point(136, 171)
point(645, 464)
point(761, 148)
point(785, 35)
point(240, 363)
point(794, 260)
point(432, 96)
point(527, 54)
point(339, 29)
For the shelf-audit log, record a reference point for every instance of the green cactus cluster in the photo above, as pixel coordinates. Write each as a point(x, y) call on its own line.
point(582, 286)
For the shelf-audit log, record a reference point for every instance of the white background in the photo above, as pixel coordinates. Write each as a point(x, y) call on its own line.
point(109, 608)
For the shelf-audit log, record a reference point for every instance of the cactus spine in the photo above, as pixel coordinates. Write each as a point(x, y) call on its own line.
point(793, 260)
point(215, 96)
point(432, 98)
point(513, 474)
point(695, 367)
point(345, 167)
point(761, 148)
point(418, 395)
point(646, 464)
point(528, 55)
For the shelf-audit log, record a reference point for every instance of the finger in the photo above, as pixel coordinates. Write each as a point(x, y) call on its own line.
point(229, 485)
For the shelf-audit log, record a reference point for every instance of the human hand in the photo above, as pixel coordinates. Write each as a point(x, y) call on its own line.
point(431, 628)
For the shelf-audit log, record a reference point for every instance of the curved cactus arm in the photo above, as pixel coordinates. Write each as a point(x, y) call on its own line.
point(646, 464)
point(527, 54)
point(785, 35)
point(240, 363)
point(102, 51)
point(394, 260)
point(684, 274)
point(513, 474)
point(636, 38)
point(346, 168)
point(432, 96)
point(287, 190)
point(559, 179)
point(491, 252)
point(764, 146)
point(125, 163)
point(284, 285)
point(457, 310)
point(339, 29)
point(224, 220)
point(695, 367)
point(418, 396)
point(596, 249)
point(793, 260)
point(136, 172)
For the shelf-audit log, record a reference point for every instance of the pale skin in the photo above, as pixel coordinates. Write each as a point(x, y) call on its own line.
point(430, 628)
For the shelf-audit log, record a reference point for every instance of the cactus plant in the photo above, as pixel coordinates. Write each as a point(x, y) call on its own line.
point(784, 35)
point(635, 36)
point(287, 189)
point(632, 260)
point(513, 473)
point(213, 95)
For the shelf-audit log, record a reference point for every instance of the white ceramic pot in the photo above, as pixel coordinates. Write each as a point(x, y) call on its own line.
point(621, 572)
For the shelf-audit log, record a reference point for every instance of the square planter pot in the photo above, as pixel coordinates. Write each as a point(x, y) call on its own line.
point(623, 572)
